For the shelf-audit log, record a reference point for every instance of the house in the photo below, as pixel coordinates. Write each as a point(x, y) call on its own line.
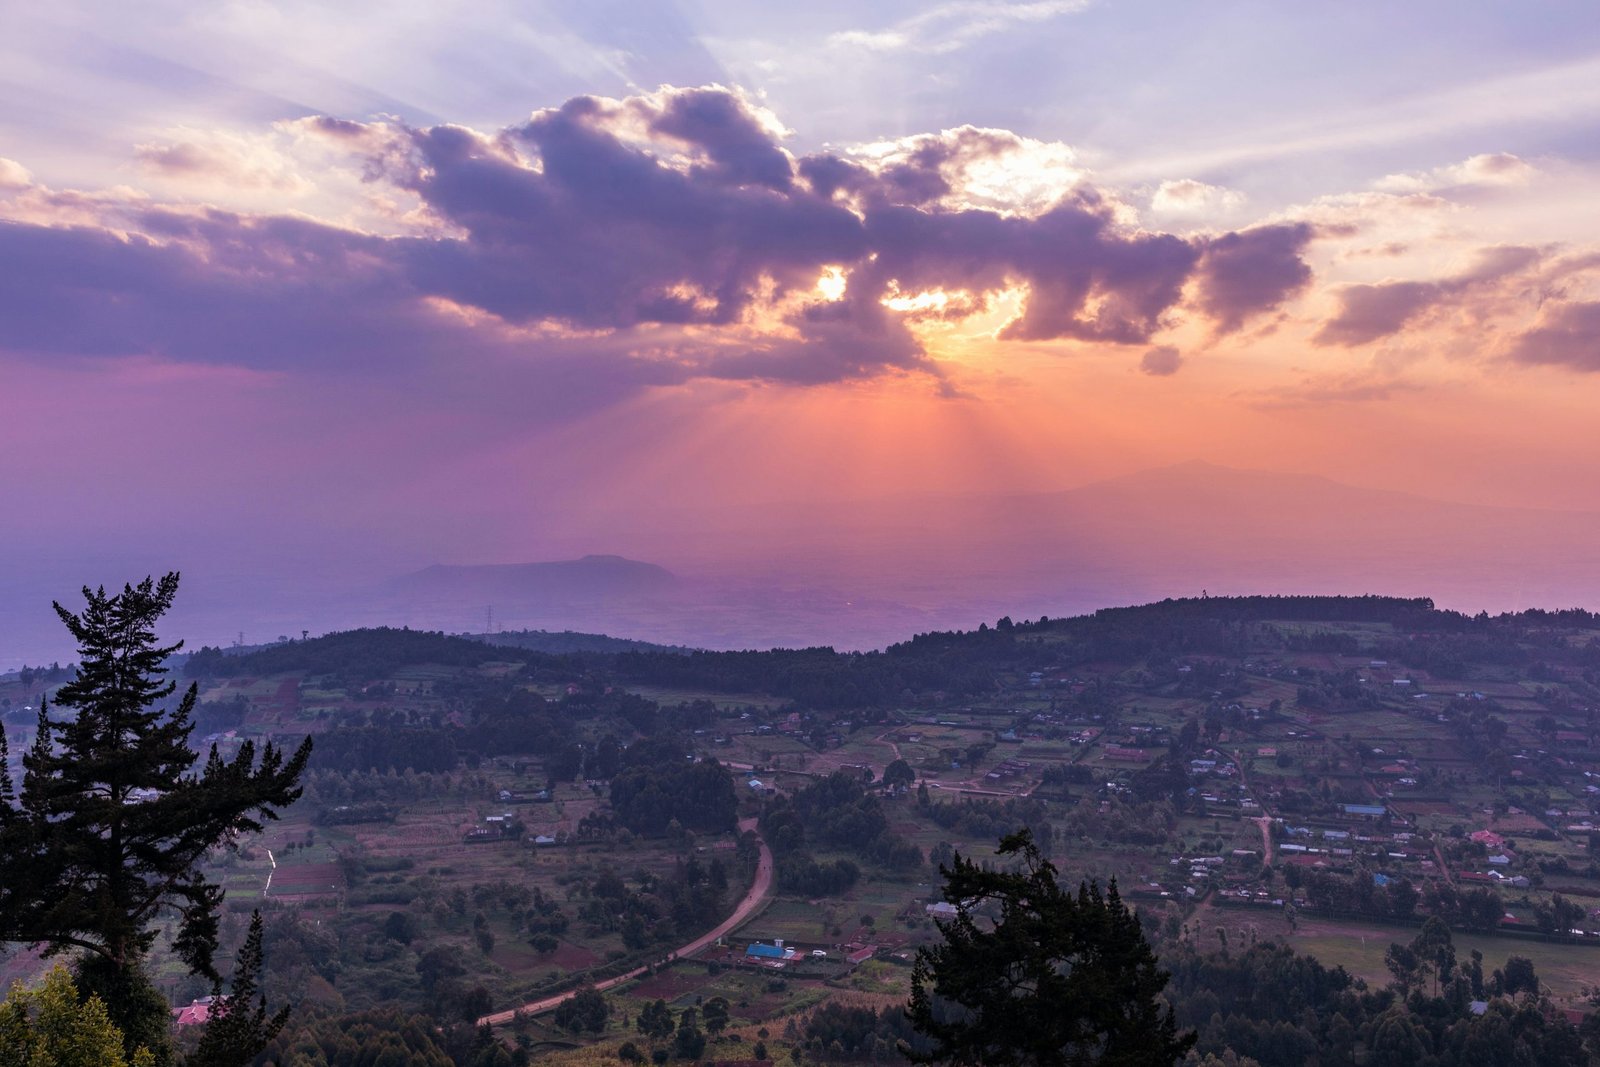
point(1366, 811)
point(196, 1013)
point(773, 952)
point(942, 910)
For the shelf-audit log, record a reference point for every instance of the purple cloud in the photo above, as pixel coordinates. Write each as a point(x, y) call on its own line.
point(665, 237)
point(1161, 361)
point(1568, 336)
point(1245, 273)
point(1370, 312)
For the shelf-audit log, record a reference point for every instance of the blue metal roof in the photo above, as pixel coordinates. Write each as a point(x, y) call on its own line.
point(771, 952)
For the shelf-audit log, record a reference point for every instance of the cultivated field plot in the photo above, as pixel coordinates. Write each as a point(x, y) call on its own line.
point(301, 882)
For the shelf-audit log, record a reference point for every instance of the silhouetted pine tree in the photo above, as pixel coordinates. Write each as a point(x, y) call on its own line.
point(111, 823)
point(1053, 979)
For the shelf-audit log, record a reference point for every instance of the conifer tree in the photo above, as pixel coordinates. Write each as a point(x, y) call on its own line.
point(1030, 974)
point(108, 830)
point(239, 1028)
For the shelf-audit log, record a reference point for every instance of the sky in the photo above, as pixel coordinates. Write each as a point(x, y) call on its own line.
point(320, 293)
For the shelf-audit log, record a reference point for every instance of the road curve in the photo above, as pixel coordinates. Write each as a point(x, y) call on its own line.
point(760, 890)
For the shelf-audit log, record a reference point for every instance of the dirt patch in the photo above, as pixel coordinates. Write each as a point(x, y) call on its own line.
point(1425, 807)
point(570, 957)
point(668, 985)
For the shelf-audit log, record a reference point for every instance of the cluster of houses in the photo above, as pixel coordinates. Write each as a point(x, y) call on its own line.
point(778, 956)
point(503, 827)
point(524, 796)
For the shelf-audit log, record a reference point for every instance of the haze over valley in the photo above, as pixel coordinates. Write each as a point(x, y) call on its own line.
point(865, 573)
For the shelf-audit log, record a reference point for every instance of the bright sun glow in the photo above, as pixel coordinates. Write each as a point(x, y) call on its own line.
point(832, 284)
point(928, 300)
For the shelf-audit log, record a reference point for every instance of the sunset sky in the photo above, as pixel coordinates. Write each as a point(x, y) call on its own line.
point(296, 288)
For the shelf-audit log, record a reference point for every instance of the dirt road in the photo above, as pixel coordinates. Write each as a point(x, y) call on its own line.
point(760, 890)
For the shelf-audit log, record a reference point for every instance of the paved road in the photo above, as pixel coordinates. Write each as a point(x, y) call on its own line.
point(760, 890)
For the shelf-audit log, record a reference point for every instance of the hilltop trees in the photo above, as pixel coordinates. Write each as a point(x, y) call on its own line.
point(660, 783)
point(107, 833)
point(1053, 979)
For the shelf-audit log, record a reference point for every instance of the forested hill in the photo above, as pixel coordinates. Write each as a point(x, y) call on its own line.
point(959, 663)
point(373, 653)
point(561, 642)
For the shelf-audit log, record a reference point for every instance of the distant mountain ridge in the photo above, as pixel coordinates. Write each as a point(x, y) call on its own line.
point(861, 573)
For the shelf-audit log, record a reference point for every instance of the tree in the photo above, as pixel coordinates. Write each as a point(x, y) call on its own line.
point(1518, 976)
point(1403, 964)
point(1435, 951)
point(48, 1026)
point(688, 1043)
point(898, 775)
point(1053, 978)
point(585, 1010)
point(655, 1020)
point(238, 1029)
point(714, 1013)
point(111, 823)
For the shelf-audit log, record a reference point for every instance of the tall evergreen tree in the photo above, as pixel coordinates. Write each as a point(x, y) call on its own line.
point(1053, 979)
point(112, 821)
point(239, 1027)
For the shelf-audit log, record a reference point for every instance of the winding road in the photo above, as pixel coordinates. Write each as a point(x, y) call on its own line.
point(760, 890)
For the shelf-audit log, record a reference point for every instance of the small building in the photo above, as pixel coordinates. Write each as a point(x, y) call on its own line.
point(1366, 811)
point(196, 1013)
point(770, 953)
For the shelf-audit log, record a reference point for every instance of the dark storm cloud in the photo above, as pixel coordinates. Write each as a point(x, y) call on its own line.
point(670, 235)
